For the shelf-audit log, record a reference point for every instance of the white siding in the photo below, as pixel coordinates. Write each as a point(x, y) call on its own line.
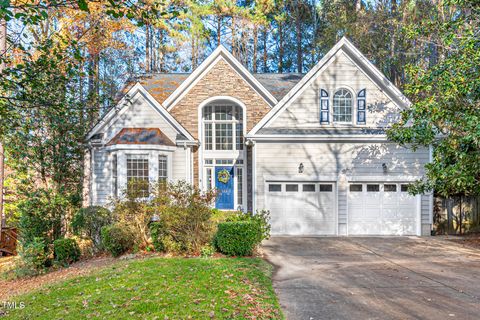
point(179, 164)
point(341, 73)
point(101, 187)
point(338, 160)
point(140, 114)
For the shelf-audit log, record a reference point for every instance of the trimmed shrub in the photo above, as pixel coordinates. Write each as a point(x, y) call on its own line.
point(88, 223)
point(262, 217)
point(117, 239)
point(66, 251)
point(34, 257)
point(238, 238)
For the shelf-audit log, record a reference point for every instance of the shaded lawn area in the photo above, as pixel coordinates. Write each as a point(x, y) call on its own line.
point(160, 288)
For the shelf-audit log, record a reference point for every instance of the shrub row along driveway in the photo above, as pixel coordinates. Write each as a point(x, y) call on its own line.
point(375, 278)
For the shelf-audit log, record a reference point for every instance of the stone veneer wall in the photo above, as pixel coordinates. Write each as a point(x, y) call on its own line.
point(221, 80)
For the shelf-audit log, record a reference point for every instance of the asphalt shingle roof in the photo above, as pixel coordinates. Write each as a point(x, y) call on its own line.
point(162, 85)
point(141, 136)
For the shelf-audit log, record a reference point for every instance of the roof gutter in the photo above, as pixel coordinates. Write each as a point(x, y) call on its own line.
point(363, 137)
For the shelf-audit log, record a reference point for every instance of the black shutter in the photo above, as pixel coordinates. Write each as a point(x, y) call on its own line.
point(324, 107)
point(362, 107)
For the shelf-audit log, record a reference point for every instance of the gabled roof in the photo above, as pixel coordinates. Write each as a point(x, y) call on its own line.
point(343, 46)
point(220, 53)
point(123, 105)
point(162, 85)
point(141, 136)
point(278, 84)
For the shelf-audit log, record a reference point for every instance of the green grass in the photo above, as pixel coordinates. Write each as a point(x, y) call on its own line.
point(160, 288)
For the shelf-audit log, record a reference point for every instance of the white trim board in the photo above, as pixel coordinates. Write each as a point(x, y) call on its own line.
point(346, 47)
point(330, 138)
point(221, 53)
point(122, 106)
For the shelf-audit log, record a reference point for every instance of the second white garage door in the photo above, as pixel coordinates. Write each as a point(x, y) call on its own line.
point(306, 208)
point(381, 209)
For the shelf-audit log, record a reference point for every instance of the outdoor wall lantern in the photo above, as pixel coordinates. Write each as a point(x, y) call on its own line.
point(384, 167)
point(300, 168)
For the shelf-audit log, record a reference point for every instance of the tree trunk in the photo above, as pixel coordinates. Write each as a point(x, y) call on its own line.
point(147, 48)
point(234, 42)
point(93, 88)
point(3, 51)
point(219, 31)
point(298, 27)
point(194, 54)
point(280, 49)
point(265, 49)
point(255, 44)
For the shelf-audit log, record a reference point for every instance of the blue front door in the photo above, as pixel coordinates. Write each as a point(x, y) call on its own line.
point(224, 185)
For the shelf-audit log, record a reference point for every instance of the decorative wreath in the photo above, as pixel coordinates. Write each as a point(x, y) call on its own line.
point(223, 176)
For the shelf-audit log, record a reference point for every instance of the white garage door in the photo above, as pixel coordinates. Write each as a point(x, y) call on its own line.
point(301, 208)
point(381, 209)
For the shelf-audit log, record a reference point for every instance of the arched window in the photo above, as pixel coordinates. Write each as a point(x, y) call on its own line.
point(223, 127)
point(342, 106)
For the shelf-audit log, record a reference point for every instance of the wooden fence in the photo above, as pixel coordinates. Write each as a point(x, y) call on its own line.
point(456, 215)
point(8, 241)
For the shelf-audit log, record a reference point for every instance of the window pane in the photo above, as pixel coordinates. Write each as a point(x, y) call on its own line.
point(207, 113)
point(220, 122)
point(208, 136)
point(356, 188)
point(291, 188)
point(162, 168)
point(373, 187)
point(404, 188)
point(326, 188)
point(239, 136)
point(240, 186)
point(342, 106)
point(274, 187)
point(224, 161)
point(137, 175)
point(308, 188)
point(223, 136)
point(209, 178)
point(238, 114)
point(390, 188)
point(114, 175)
point(223, 112)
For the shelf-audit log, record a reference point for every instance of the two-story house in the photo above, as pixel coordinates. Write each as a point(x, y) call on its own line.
point(311, 148)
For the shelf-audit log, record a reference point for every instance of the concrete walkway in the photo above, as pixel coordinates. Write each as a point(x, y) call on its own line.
point(375, 278)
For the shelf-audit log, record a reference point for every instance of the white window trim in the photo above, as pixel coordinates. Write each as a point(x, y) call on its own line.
point(354, 101)
point(152, 166)
point(224, 154)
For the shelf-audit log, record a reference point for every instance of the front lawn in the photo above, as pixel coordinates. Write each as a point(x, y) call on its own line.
point(160, 288)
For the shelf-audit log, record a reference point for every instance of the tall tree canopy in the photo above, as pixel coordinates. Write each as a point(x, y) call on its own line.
point(445, 93)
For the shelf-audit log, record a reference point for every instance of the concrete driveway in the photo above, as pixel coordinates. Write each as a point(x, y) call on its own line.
point(375, 278)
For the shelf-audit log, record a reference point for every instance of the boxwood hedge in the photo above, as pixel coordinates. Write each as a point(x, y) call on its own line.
point(238, 238)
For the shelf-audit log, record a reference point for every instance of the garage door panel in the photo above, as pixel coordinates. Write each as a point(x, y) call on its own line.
point(381, 209)
point(303, 210)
